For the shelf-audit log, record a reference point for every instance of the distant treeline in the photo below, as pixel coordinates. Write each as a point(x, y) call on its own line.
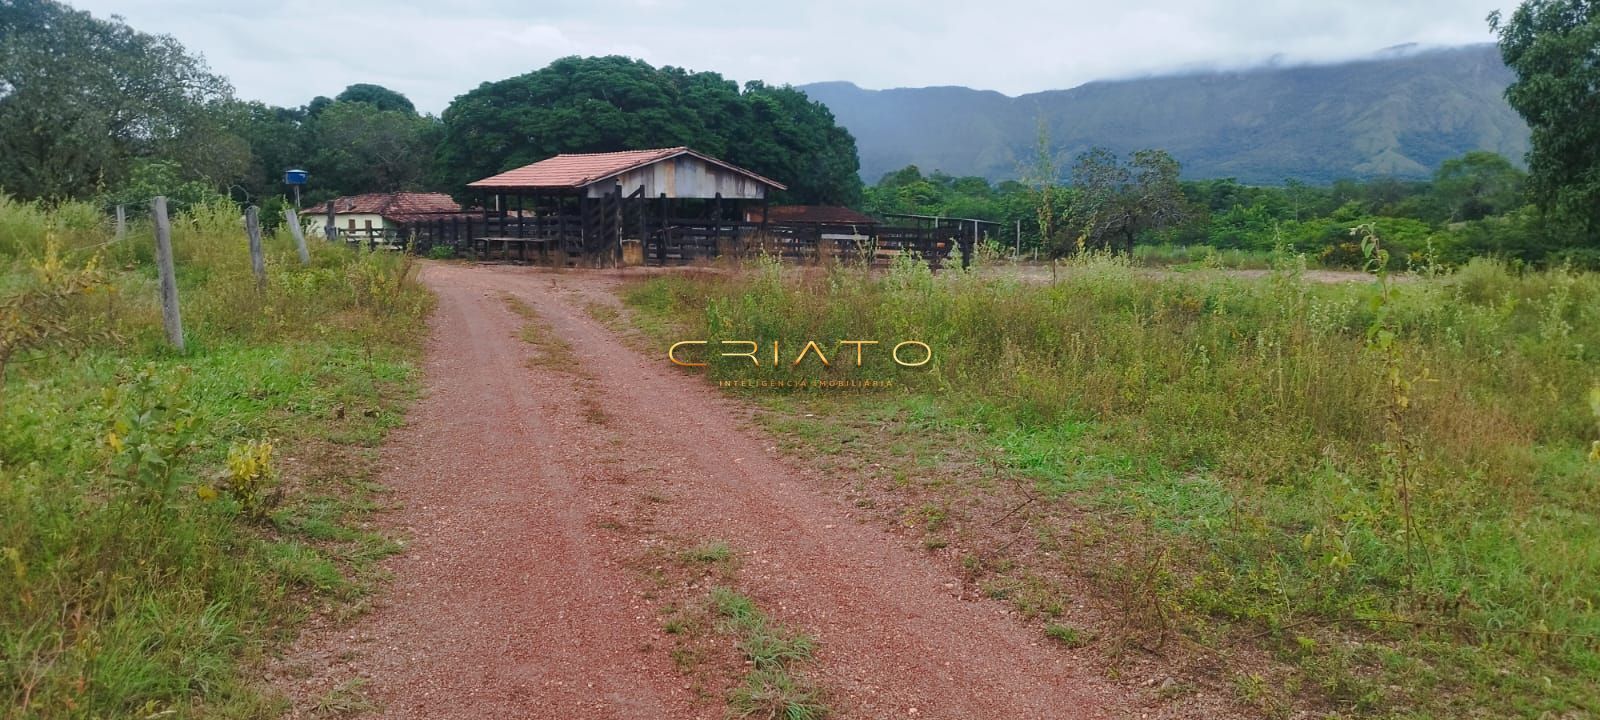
point(92, 108)
point(1474, 205)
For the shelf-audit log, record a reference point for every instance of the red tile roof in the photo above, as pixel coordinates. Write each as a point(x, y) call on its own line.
point(389, 204)
point(819, 214)
point(572, 171)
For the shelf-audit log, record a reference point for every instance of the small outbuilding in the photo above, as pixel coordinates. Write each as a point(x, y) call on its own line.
point(375, 216)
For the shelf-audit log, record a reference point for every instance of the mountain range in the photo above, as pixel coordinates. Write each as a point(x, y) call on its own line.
point(1399, 113)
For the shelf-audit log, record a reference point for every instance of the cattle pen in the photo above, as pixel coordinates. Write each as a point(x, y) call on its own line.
point(668, 206)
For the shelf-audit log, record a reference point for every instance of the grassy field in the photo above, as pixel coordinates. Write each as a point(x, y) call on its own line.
point(166, 518)
point(1369, 499)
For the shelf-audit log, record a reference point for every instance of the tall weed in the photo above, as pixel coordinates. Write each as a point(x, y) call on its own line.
point(1393, 457)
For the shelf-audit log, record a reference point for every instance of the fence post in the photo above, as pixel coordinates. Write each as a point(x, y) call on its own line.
point(252, 231)
point(170, 316)
point(968, 247)
point(330, 228)
point(299, 234)
point(122, 222)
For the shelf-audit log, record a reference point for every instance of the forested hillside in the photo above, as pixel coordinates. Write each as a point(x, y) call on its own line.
point(1398, 115)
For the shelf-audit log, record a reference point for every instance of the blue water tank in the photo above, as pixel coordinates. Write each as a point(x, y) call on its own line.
point(294, 177)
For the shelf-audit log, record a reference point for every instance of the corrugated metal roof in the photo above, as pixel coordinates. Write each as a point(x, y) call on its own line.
point(571, 171)
point(388, 204)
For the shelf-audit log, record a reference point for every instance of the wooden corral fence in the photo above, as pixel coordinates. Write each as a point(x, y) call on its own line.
point(599, 237)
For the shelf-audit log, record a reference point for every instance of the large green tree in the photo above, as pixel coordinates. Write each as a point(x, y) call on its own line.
point(378, 96)
point(604, 104)
point(1553, 46)
point(81, 99)
point(357, 147)
point(1477, 185)
point(278, 140)
point(1114, 203)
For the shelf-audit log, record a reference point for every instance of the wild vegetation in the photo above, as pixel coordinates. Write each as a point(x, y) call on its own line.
point(169, 516)
point(1388, 485)
point(91, 107)
point(183, 134)
point(1550, 45)
point(1474, 206)
point(704, 610)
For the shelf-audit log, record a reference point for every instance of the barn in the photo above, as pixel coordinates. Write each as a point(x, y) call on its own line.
point(664, 203)
point(661, 206)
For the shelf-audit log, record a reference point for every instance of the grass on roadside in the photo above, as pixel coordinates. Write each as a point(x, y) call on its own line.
point(554, 351)
point(773, 687)
point(169, 517)
point(767, 679)
point(1385, 485)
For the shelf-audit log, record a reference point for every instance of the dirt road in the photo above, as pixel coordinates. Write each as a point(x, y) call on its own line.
point(523, 489)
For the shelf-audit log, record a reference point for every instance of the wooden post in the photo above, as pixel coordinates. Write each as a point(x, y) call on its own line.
point(583, 222)
point(666, 229)
point(644, 224)
point(170, 316)
point(331, 230)
point(968, 247)
point(299, 234)
point(616, 247)
point(716, 224)
point(766, 205)
point(122, 223)
point(252, 232)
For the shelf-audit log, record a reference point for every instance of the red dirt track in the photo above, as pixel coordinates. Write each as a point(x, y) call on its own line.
point(528, 493)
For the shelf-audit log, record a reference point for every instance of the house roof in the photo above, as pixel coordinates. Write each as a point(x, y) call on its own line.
point(818, 214)
point(571, 171)
point(399, 204)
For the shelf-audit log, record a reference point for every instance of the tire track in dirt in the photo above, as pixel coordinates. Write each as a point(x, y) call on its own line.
point(894, 635)
point(505, 602)
point(513, 599)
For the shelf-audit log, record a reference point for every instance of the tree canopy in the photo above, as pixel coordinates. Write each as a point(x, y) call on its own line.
point(1115, 202)
point(359, 146)
point(604, 104)
point(377, 96)
point(82, 98)
point(1551, 45)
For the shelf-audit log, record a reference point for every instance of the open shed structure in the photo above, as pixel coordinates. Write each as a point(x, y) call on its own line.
point(673, 203)
point(662, 206)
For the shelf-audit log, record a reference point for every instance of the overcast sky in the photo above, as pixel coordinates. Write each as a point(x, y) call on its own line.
point(287, 51)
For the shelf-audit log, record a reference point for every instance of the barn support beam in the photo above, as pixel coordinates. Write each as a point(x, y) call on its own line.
point(660, 211)
point(716, 225)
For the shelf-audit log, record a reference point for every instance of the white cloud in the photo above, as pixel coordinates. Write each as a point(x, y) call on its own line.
point(287, 52)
